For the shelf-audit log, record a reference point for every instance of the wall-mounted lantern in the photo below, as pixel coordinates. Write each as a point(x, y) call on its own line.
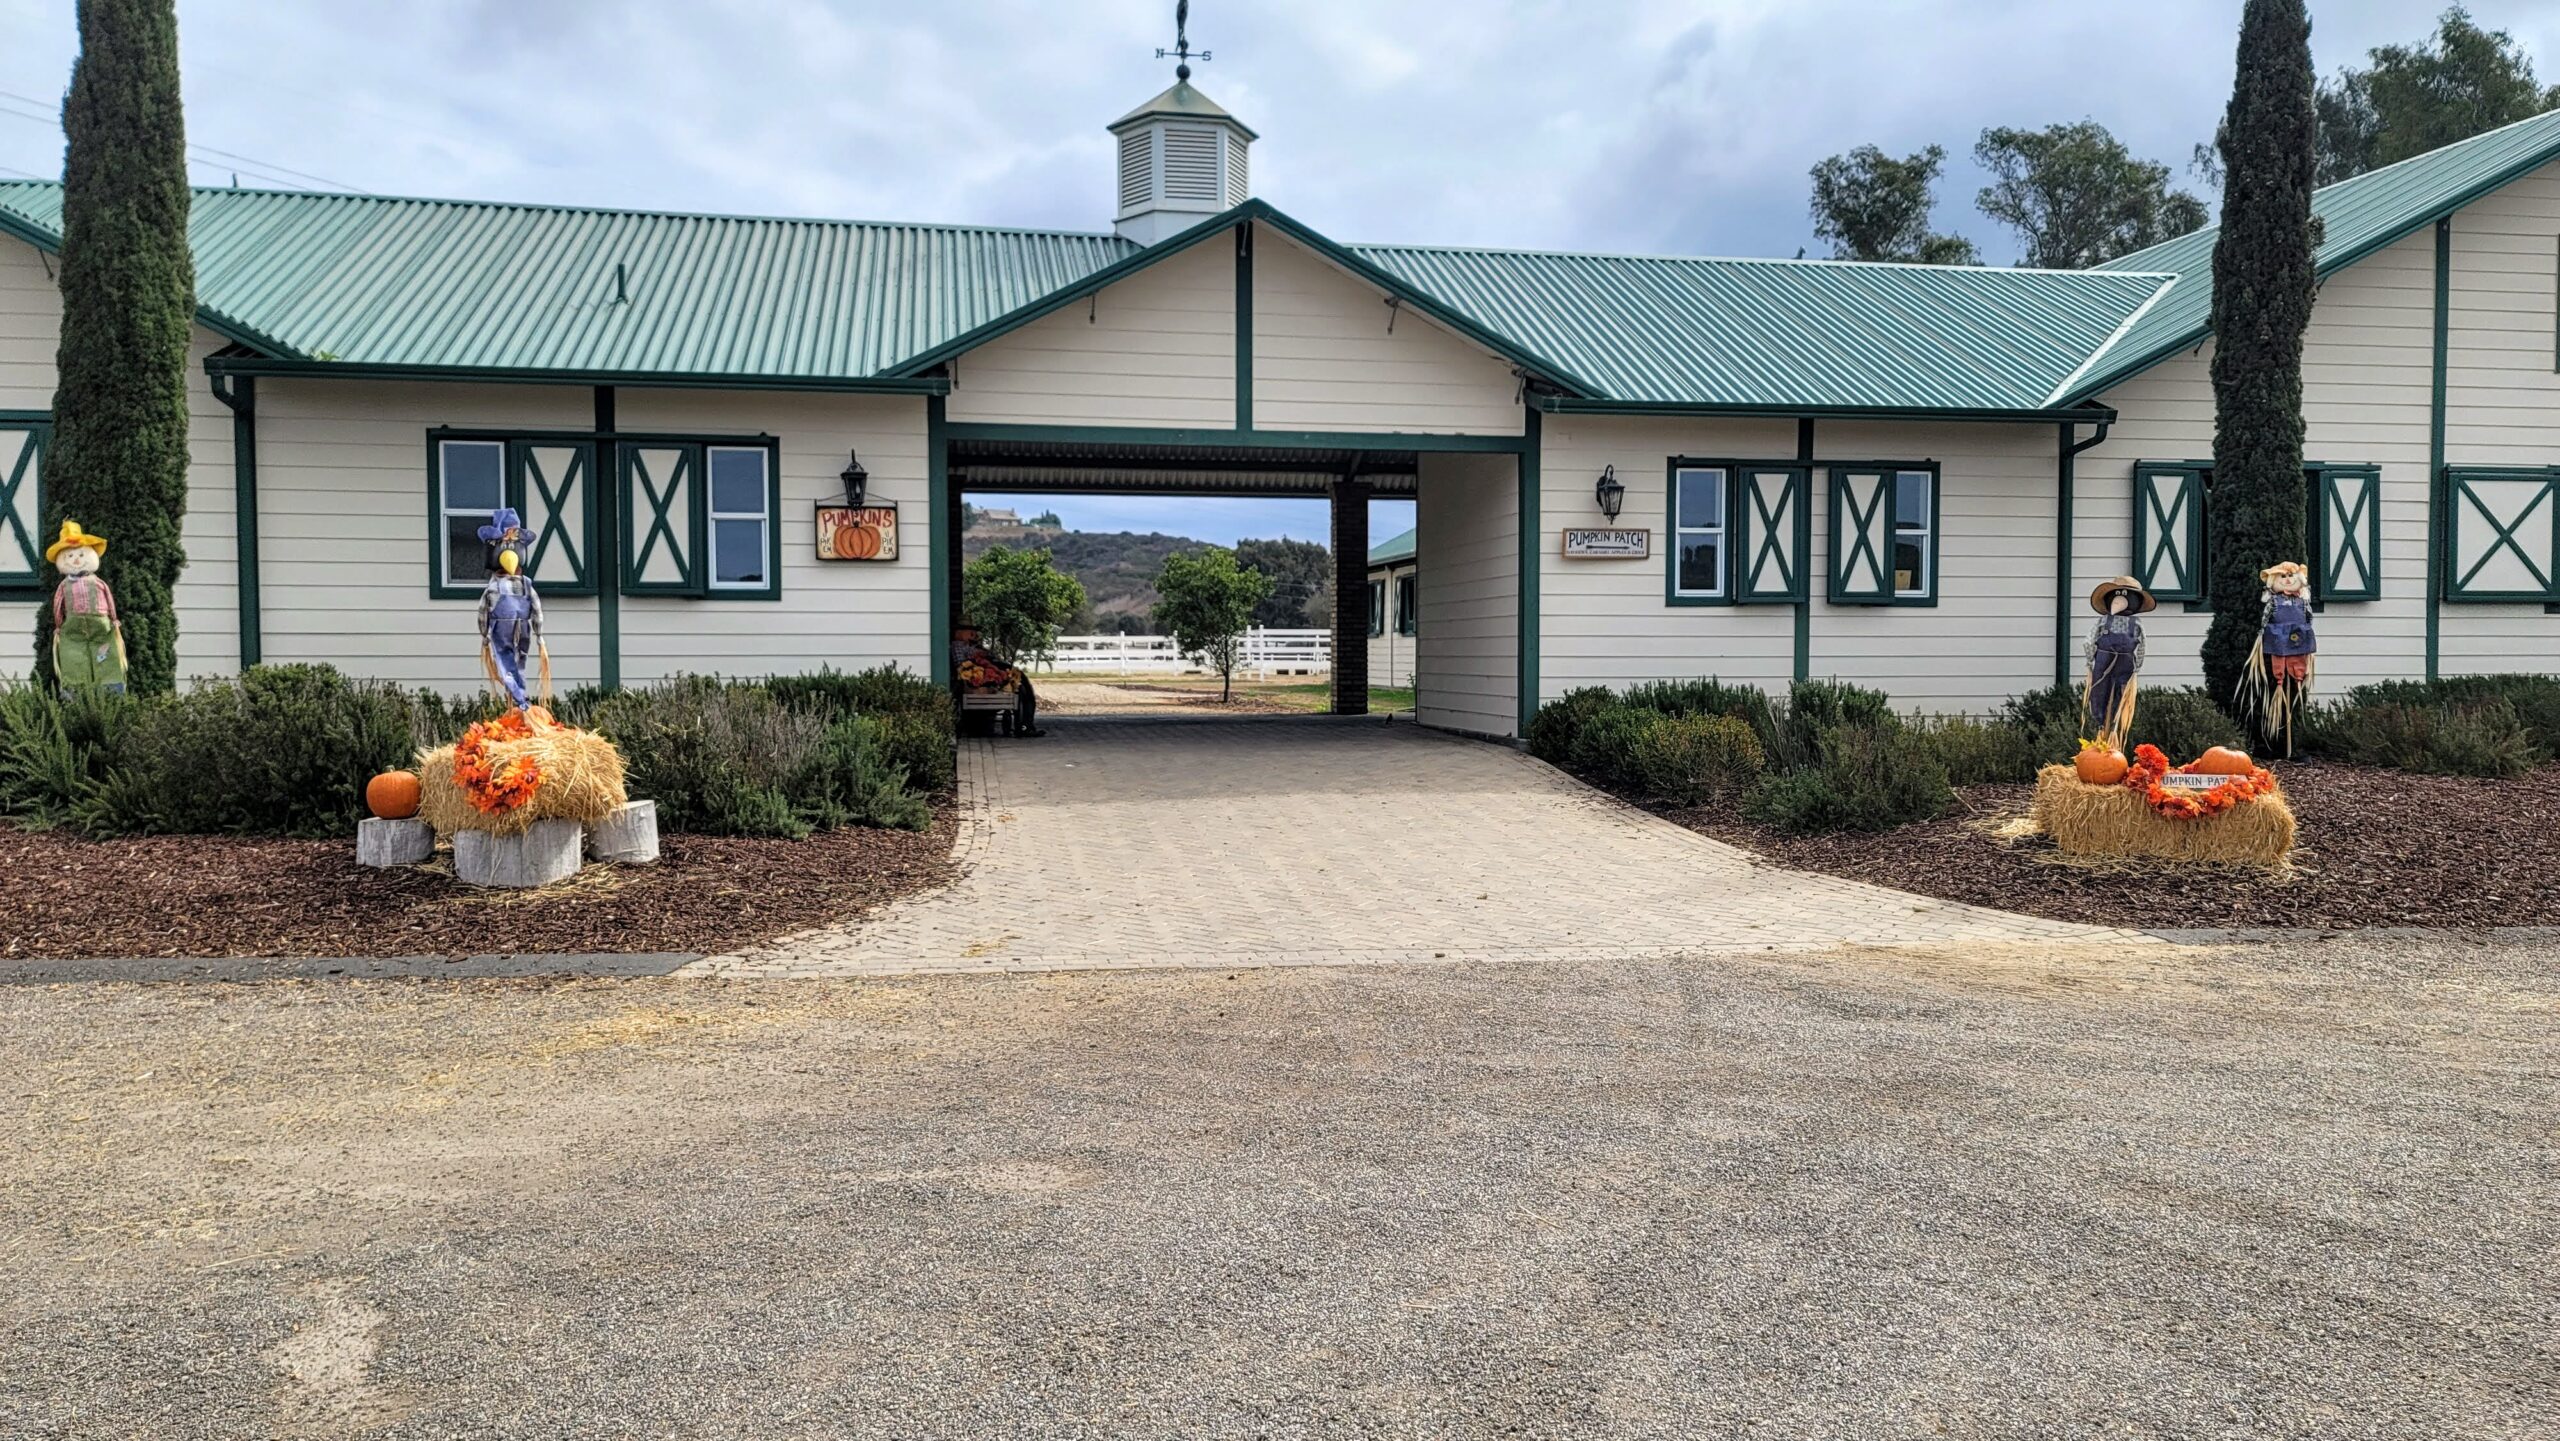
point(1611, 495)
point(854, 478)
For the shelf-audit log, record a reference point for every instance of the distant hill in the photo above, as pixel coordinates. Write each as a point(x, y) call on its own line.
point(1117, 568)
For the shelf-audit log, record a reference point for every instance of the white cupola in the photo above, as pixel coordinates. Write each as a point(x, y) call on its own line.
point(1182, 160)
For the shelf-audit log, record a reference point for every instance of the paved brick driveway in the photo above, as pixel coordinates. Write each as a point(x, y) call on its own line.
point(1228, 842)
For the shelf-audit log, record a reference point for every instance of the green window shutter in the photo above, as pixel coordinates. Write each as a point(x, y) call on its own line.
point(1408, 605)
point(2168, 530)
point(22, 540)
point(662, 518)
point(2346, 533)
point(1861, 536)
point(1377, 607)
point(2502, 535)
point(551, 483)
point(1776, 534)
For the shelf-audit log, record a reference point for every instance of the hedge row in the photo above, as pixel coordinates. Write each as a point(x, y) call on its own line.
point(286, 750)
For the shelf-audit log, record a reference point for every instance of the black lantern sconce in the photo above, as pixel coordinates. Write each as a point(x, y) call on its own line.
point(855, 478)
point(1611, 495)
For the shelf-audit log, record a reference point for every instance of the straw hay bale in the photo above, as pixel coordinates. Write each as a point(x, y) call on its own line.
point(581, 781)
point(2114, 821)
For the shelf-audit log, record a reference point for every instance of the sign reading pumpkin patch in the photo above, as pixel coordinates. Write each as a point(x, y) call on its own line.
point(857, 532)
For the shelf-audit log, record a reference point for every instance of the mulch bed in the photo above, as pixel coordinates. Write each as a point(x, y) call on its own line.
point(215, 896)
point(2377, 848)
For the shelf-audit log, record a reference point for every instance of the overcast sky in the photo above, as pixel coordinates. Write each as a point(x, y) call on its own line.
point(1649, 126)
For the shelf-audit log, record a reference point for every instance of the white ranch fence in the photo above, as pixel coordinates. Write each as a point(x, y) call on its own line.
point(1267, 653)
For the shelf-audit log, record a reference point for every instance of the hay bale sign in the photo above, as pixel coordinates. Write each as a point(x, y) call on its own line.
point(2199, 818)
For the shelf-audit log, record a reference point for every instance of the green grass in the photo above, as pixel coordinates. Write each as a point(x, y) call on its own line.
point(1305, 695)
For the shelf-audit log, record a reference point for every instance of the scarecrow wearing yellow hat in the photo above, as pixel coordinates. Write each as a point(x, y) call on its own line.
point(88, 637)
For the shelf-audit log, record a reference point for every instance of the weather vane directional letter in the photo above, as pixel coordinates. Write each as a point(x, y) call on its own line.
point(1181, 51)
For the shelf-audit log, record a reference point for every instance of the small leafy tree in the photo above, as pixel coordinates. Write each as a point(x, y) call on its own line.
point(1018, 600)
point(1298, 570)
point(1208, 600)
point(2076, 196)
point(1871, 206)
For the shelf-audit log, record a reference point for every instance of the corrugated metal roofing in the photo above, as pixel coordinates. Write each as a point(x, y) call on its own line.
point(1785, 332)
point(431, 282)
point(2360, 216)
point(1394, 548)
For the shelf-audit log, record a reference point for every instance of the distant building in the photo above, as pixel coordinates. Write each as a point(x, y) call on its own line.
point(1395, 610)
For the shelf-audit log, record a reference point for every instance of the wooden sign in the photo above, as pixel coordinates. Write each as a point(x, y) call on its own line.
point(1608, 543)
point(858, 532)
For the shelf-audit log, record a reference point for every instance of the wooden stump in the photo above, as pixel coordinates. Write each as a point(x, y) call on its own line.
point(628, 837)
point(543, 852)
point(382, 842)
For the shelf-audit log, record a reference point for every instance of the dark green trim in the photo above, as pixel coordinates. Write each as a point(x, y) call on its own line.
point(1532, 556)
point(1887, 497)
point(1672, 595)
point(2364, 537)
point(26, 417)
point(1286, 439)
point(2066, 485)
point(514, 466)
point(1804, 602)
point(28, 538)
point(532, 375)
point(240, 394)
point(2503, 535)
point(1244, 327)
point(1751, 541)
point(525, 481)
point(1568, 405)
point(2186, 556)
point(938, 508)
point(642, 534)
point(608, 559)
point(2439, 532)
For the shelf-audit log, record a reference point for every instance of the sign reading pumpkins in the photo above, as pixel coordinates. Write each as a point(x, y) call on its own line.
point(858, 532)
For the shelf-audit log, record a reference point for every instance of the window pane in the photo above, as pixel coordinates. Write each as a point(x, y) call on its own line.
point(1701, 498)
point(1910, 571)
point(466, 560)
point(474, 475)
point(1701, 563)
point(737, 552)
point(1911, 499)
point(737, 482)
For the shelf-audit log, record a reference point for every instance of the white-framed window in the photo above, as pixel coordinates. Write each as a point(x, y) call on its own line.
point(1915, 524)
point(1408, 604)
point(741, 525)
point(1698, 532)
point(471, 483)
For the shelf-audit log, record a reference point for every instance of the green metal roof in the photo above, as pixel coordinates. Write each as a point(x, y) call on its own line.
point(2359, 216)
point(1393, 548)
point(1184, 103)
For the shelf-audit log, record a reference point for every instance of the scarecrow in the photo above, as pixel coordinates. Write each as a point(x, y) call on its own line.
point(2115, 655)
point(980, 671)
point(88, 637)
point(511, 612)
point(2280, 664)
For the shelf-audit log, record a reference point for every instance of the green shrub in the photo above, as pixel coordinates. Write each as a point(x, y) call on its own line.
point(1557, 726)
point(2184, 723)
point(1686, 758)
point(1605, 748)
point(1978, 752)
point(716, 756)
point(55, 754)
point(915, 720)
point(1869, 777)
point(2535, 699)
point(1708, 696)
point(2479, 738)
point(849, 782)
point(280, 750)
point(2048, 722)
point(1814, 709)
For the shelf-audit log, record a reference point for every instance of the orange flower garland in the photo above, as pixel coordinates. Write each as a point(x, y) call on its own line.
point(507, 786)
point(2150, 765)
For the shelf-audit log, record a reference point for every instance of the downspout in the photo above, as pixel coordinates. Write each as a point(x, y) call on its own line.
point(1804, 561)
point(2435, 451)
point(2065, 482)
point(607, 561)
point(240, 393)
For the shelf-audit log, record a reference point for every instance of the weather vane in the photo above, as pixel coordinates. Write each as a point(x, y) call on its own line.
point(1181, 50)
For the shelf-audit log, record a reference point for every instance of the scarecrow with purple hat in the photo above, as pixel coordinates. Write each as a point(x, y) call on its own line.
point(510, 611)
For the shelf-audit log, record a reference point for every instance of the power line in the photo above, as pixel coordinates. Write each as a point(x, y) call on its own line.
point(284, 176)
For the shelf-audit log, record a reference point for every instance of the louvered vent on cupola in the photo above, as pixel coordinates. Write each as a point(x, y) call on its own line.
point(1182, 160)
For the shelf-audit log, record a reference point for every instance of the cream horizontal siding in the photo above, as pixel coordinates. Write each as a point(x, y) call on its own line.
point(1466, 666)
point(2502, 395)
point(1605, 622)
point(847, 614)
point(1324, 358)
point(342, 506)
point(30, 325)
point(1158, 348)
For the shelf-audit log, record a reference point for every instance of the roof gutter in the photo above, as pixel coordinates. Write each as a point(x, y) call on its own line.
point(2040, 415)
point(242, 365)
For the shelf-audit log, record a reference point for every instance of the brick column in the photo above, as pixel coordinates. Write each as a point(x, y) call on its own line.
point(1350, 597)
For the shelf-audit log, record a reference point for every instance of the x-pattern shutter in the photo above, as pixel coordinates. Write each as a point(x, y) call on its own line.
point(2346, 532)
point(1861, 536)
point(1776, 527)
point(2168, 530)
point(553, 485)
point(661, 528)
point(22, 447)
point(2502, 535)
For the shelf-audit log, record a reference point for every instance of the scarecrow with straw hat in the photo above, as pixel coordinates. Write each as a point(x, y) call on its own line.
point(88, 636)
point(2280, 664)
point(2115, 655)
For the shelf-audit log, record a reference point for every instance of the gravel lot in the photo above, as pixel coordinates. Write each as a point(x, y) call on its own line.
point(2280, 1191)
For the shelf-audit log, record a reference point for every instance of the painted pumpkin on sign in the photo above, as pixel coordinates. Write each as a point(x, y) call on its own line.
point(2100, 764)
point(2223, 761)
point(857, 542)
point(392, 795)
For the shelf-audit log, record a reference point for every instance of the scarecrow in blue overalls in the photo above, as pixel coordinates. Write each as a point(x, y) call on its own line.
point(2115, 657)
point(2278, 684)
point(511, 612)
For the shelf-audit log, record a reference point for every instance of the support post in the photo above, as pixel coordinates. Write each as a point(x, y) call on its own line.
point(1350, 596)
point(1804, 607)
point(941, 510)
point(240, 393)
point(2066, 484)
point(608, 558)
point(2435, 452)
point(1532, 554)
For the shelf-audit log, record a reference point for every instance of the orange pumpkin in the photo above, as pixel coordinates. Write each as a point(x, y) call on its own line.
point(857, 542)
point(392, 795)
point(2223, 761)
point(2101, 764)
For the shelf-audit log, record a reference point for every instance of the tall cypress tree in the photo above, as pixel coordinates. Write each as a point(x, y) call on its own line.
point(118, 463)
point(2262, 291)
